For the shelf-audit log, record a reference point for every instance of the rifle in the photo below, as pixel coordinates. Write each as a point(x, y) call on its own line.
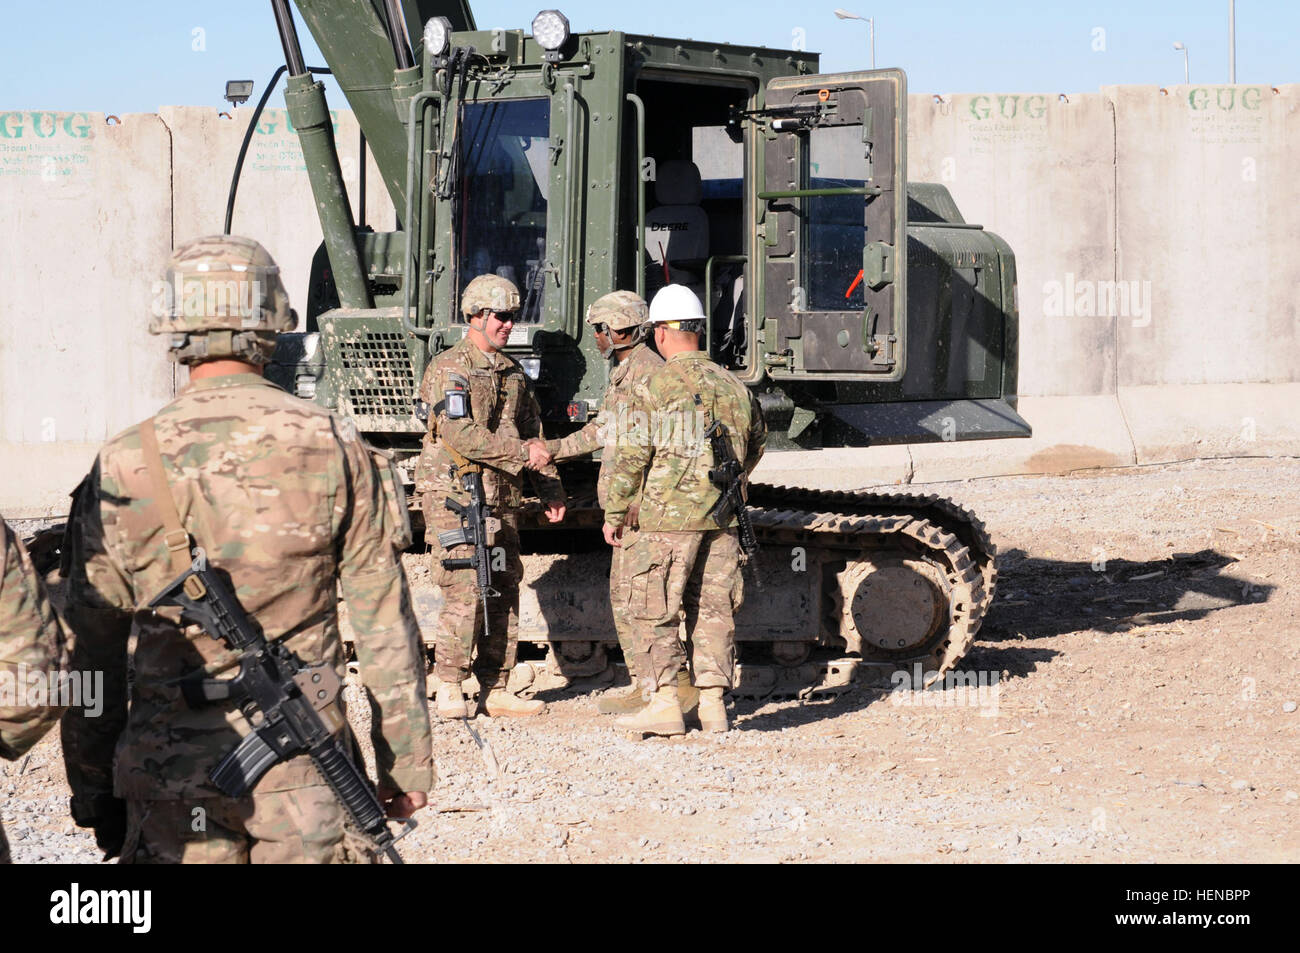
point(295, 701)
point(477, 525)
point(728, 475)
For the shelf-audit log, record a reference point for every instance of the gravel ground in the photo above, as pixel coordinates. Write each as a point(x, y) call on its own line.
point(1146, 656)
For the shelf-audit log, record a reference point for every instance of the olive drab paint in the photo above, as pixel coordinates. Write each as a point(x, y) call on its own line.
point(931, 317)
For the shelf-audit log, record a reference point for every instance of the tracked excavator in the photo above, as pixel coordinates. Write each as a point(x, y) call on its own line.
point(862, 309)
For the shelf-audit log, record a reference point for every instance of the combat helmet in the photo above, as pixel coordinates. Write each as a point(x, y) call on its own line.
point(620, 310)
point(489, 292)
point(223, 298)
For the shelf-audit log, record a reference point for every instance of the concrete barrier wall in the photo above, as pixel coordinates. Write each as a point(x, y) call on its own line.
point(1155, 234)
point(1041, 173)
point(88, 214)
point(85, 221)
point(274, 203)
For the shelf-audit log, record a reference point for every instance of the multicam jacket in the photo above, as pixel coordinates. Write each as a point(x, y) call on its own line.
point(286, 498)
point(627, 389)
point(31, 644)
point(31, 637)
point(666, 450)
point(482, 406)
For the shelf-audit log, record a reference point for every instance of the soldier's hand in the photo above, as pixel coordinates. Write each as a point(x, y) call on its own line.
point(403, 805)
point(555, 512)
point(538, 456)
point(613, 534)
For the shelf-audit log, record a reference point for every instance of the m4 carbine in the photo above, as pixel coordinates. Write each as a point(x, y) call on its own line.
point(296, 703)
point(728, 475)
point(477, 527)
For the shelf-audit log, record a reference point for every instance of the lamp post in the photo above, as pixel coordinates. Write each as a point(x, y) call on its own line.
point(871, 25)
point(1232, 41)
point(1186, 73)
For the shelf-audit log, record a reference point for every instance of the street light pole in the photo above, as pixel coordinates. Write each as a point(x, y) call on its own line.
point(1232, 41)
point(871, 25)
point(1187, 76)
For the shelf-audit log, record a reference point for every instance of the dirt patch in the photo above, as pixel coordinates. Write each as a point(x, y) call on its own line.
point(1144, 709)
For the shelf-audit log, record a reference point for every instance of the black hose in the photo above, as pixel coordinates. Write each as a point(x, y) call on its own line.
point(248, 137)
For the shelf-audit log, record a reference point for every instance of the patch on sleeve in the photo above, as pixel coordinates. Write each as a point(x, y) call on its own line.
point(457, 404)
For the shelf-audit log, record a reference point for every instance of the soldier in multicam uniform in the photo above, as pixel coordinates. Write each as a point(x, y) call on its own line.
point(288, 500)
point(482, 410)
point(30, 636)
point(617, 320)
point(680, 560)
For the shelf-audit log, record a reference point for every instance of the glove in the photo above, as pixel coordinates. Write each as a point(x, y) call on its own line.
point(106, 816)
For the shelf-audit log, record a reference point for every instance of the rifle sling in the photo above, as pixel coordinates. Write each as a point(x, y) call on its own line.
point(174, 534)
point(462, 463)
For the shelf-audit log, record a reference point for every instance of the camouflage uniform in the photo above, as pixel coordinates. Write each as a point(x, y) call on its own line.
point(627, 391)
point(680, 561)
point(30, 636)
point(500, 415)
point(286, 498)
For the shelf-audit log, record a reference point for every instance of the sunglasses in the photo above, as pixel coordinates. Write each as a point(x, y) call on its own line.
point(505, 317)
point(600, 328)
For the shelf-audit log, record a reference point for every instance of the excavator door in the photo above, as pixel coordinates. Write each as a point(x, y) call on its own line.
point(832, 226)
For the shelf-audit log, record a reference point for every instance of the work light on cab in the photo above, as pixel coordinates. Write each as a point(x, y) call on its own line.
point(437, 36)
point(551, 31)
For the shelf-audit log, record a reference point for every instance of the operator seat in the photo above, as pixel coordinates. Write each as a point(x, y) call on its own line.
point(677, 229)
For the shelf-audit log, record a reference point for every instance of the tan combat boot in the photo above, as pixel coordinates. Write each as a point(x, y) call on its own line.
point(501, 704)
point(687, 694)
point(633, 699)
point(451, 701)
point(622, 702)
point(713, 710)
point(662, 716)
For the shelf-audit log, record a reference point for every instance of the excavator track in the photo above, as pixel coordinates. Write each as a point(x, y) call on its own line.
point(848, 588)
point(877, 548)
point(940, 511)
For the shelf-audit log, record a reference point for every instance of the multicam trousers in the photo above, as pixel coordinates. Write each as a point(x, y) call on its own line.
point(460, 624)
point(303, 825)
point(620, 581)
point(692, 575)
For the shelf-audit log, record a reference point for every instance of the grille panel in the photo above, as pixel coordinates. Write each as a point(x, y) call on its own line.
point(380, 379)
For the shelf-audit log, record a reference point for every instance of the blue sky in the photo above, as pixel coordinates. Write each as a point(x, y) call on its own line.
point(139, 55)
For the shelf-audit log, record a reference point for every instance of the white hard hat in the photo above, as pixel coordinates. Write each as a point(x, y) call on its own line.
point(675, 303)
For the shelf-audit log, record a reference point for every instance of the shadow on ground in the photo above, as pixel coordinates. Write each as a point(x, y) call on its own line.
point(1040, 600)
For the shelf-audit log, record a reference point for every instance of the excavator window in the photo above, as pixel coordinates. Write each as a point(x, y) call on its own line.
point(833, 223)
point(501, 196)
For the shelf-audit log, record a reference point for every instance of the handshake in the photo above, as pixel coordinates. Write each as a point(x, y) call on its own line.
point(538, 455)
